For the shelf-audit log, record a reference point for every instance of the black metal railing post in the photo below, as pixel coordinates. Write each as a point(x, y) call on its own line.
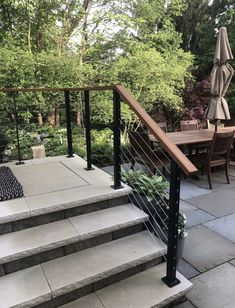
point(117, 139)
point(68, 123)
point(20, 162)
point(88, 130)
point(174, 201)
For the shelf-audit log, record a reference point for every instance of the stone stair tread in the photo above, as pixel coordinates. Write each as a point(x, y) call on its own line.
point(86, 267)
point(25, 288)
point(40, 283)
point(27, 242)
point(100, 221)
point(143, 290)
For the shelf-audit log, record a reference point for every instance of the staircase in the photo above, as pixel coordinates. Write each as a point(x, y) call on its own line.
point(82, 254)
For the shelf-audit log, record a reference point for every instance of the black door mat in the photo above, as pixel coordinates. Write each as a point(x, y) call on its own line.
point(10, 188)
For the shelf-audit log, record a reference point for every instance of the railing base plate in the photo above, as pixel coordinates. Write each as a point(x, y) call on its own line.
point(170, 284)
point(20, 163)
point(89, 169)
point(118, 187)
point(70, 156)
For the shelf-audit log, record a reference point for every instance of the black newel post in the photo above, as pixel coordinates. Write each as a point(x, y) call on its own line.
point(68, 123)
point(170, 278)
point(88, 130)
point(20, 162)
point(117, 140)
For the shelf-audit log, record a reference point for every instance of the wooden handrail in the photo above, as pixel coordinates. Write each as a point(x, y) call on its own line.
point(174, 152)
point(79, 89)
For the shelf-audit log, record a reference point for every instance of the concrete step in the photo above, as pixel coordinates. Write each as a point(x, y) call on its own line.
point(143, 290)
point(33, 246)
point(62, 280)
point(15, 215)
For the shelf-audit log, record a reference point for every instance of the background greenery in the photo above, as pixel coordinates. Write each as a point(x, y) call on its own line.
point(161, 50)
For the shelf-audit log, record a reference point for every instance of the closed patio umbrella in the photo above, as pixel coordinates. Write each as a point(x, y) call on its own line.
point(221, 76)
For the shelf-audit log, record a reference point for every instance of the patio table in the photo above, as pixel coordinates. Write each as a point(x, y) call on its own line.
point(193, 136)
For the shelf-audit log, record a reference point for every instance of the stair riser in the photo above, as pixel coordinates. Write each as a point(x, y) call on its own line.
point(64, 250)
point(68, 297)
point(59, 215)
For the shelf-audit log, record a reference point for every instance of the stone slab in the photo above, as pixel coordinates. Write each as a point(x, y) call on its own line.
point(232, 262)
point(217, 203)
point(88, 301)
point(143, 290)
point(44, 178)
point(188, 191)
point(107, 220)
point(186, 207)
point(186, 269)
point(60, 200)
point(205, 249)
point(26, 288)
point(197, 217)
point(27, 242)
point(13, 209)
point(86, 267)
point(215, 288)
point(218, 181)
point(225, 226)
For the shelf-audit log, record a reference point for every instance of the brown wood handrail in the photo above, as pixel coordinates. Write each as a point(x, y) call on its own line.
point(174, 152)
point(79, 89)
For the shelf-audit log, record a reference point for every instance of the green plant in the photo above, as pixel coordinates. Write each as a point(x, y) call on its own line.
point(3, 142)
point(162, 218)
point(151, 186)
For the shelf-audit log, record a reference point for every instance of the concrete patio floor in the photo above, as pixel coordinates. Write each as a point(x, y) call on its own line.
point(209, 254)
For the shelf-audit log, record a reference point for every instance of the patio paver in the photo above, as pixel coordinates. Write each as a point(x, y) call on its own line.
point(40, 179)
point(232, 262)
point(197, 217)
point(217, 203)
point(224, 226)
point(186, 207)
point(205, 249)
point(188, 190)
point(186, 269)
point(215, 288)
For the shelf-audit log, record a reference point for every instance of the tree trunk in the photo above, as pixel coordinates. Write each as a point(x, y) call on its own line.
point(51, 117)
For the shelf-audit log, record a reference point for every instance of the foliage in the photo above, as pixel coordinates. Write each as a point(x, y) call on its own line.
point(162, 217)
point(3, 141)
point(196, 98)
point(150, 186)
point(102, 154)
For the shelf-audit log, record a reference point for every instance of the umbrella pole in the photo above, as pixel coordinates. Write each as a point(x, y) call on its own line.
point(216, 127)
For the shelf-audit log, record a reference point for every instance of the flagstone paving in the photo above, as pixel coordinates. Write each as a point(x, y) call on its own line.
point(208, 258)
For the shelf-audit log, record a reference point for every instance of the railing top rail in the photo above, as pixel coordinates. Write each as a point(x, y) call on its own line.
point(174, 152)
point(78, 89)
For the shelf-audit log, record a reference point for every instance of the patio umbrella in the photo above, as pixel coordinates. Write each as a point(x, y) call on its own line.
point(221, 76)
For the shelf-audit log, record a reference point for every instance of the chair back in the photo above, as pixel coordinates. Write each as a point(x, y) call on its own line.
point(189, 125)
point(140, 144)
point(221, 144)
point(163, 126)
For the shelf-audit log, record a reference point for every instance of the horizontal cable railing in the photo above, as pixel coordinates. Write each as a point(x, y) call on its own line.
point(167, 162)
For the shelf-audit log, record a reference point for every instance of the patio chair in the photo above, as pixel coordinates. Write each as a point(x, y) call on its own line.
point(189, 125)
point(218, 154)
point(143, 152)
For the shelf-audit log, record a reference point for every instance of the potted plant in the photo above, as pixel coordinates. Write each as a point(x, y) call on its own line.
point(148, 190)
point(161, 226)
point(150, 193)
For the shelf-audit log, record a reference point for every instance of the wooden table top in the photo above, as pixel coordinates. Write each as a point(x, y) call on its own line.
point(194, 136)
